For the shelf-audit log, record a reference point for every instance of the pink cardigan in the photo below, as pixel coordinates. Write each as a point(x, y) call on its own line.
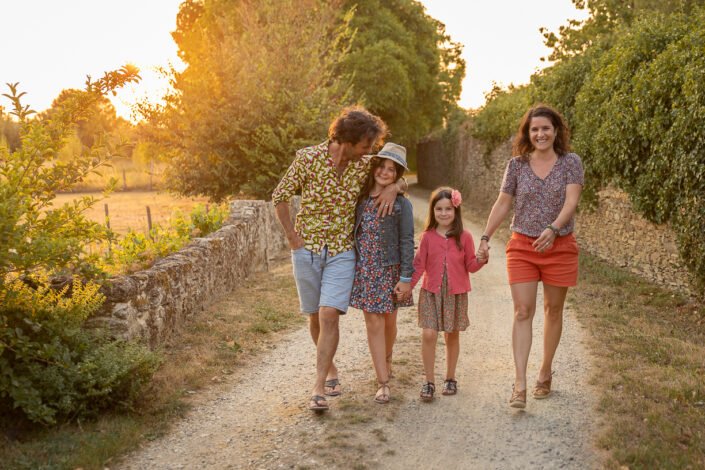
point(436, 252)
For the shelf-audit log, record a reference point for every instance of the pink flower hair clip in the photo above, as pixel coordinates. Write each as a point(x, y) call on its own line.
point(455, 198)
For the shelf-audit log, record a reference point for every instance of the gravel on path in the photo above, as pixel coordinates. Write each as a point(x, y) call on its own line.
point(262, 420)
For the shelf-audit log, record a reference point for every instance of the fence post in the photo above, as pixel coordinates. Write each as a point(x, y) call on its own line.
point(107, 223)
point(149, 223)
point(151, 172)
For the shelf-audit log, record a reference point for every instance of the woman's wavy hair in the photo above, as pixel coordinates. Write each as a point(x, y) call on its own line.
point(456, 229)
point(370, 181)
point(522, 142)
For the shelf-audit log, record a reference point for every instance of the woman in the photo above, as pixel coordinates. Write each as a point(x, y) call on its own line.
point(543, 181)
point(385, 253)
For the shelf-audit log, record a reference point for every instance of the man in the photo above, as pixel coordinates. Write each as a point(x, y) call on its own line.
point(330, 176)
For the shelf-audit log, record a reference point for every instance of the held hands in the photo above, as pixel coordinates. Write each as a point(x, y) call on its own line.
point(483, 252)
point(545, 241)
point(402, 290)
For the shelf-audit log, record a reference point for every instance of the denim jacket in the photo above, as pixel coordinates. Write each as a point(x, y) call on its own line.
point(397, 235)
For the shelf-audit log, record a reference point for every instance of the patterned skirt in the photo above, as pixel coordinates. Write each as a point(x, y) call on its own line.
point(445, 311)
point(373, 288)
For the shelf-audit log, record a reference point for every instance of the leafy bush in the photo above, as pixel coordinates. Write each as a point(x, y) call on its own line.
point(50, 367)
point(500, 117)
point(136, 250)
point(640, 121)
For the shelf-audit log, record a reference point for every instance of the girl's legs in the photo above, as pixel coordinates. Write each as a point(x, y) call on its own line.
point(524, 297)
point(452, 352)
point(429, 338)
point(390, 335)
point(375, 324)
point(553, 300)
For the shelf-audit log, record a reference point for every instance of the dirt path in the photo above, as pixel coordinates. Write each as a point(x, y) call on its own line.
point(261, 420)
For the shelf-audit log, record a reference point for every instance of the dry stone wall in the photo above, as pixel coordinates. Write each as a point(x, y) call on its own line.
point(153, 303)
point(614, 232)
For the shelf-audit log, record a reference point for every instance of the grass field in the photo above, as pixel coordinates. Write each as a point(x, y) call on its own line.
point(129, 208)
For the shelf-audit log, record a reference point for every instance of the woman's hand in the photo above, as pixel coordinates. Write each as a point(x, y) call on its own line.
point(402, 290)
point(545, 241)
point(483, 252)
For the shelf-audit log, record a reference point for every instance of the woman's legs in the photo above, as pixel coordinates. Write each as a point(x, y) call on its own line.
point(429, 338)
point(452, 352)
point(390, 335)
point(553, 301)
point(524, 297)
point(375, 324)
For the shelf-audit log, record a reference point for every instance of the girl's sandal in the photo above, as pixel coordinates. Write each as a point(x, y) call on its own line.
point(450, 387)
point(427, 391)
point(382, 396)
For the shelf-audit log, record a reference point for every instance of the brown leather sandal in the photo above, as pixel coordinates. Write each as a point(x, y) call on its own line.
point(542, 389)
point(518, 399)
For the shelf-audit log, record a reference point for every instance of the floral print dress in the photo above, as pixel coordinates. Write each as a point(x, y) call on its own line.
point(373, 288)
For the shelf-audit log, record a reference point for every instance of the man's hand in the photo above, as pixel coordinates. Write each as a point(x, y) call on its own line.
point(385, 201)
point(296, 242)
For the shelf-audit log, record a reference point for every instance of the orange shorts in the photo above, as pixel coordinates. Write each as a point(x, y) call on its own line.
point(558, 266)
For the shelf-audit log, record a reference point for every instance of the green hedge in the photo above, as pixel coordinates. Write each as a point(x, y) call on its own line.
point(637, 110)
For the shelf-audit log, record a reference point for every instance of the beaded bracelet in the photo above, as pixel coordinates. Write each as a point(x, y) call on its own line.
point(485, 237)
point(553, 229)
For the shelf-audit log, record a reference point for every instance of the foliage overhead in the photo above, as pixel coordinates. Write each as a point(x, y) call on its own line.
point(403, 66)
point(258, 85)
point(606, 16)
point(264, 79)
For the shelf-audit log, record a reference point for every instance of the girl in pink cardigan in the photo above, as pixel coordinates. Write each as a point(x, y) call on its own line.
point(446, 255)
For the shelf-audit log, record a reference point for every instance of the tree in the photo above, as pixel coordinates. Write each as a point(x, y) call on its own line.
point(99, 118)
point(403, 66)
point(605, 17)
point(266, 78)
point(258, 85)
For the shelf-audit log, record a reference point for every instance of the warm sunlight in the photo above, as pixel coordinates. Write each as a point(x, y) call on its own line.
point(72, 39)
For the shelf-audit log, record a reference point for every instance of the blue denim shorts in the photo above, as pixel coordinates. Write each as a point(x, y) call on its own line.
point(322, 280)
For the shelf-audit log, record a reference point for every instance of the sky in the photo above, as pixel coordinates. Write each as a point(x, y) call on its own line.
point(49, 45)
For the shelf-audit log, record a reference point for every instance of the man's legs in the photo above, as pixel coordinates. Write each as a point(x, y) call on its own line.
point(336, 284)
point(326, 346)
point(314, 328)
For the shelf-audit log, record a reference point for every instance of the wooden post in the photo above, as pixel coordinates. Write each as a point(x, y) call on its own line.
point(107, 222)
point(124, 180)
point(151, 172)
point(149, 223)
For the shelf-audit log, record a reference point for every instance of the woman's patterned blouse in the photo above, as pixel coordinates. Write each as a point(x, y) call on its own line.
point(327, 215)
point(539, 201)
